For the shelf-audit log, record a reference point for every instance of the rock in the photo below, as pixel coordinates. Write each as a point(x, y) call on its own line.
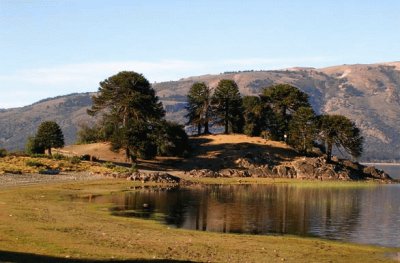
point(204, 173)
point(158, 177)
point(261, 172)
point(49, 171)
point(284, 171)
point(371, 171)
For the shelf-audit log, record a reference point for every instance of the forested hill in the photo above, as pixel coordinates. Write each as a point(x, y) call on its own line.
point(367, 94)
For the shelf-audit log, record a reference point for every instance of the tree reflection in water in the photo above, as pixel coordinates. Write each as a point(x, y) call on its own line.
point(334, 213)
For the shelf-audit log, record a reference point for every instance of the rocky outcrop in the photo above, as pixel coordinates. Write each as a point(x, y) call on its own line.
point(221, 173)
point(157, 177)
point(301, 168)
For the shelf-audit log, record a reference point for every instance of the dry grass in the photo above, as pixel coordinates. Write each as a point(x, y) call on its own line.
point(208, 151)
point(14, 164)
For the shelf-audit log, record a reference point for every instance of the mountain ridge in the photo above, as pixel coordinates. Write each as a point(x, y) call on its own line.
point(369, 94)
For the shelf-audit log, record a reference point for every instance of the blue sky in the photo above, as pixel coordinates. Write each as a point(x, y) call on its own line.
point(56, 47)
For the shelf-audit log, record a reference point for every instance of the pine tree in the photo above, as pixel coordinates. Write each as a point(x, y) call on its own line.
point(302, 129)
point(131, 111)
point(49, 135)
point(199, 106)
point(339, 131)
point(228, 106)
point(284, 99)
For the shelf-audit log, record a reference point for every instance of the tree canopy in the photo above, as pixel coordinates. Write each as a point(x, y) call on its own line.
point(199, 106)
point(227, 105)
point(284, 99)
point(339, 131)
point(49, 135)
point(133, 119)
point(131, 111)
point(302, 130)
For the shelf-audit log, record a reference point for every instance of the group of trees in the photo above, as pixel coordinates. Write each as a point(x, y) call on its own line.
point(281, 112)
point(223, 107)
point(132, 119)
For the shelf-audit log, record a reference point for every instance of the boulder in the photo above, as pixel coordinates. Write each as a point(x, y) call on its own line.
point(158, 177)
point(372, 172)
point(284, 171)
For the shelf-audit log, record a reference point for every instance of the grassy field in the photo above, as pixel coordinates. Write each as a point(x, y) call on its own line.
point(41, 224)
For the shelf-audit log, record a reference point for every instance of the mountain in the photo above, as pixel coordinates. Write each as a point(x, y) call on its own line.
point(367, 94)
point(69, 111)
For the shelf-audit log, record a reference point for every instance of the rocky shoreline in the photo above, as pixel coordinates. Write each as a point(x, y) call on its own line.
point(305, 168)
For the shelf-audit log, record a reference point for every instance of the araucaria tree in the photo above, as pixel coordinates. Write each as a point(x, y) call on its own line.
point(227, 105)
point(49, 135)
point(284, 99)
point(199, 106)
point(131, 110)
point(339, 131)
point(302, 130)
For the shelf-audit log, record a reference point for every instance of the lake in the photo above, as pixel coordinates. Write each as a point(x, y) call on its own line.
point(359, 214)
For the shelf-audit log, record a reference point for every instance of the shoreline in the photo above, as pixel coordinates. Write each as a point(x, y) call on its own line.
point(388, 164)
point(31, 215)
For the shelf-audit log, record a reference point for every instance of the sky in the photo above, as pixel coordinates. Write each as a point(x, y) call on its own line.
point(57, 47)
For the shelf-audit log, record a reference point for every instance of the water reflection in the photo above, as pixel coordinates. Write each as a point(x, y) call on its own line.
point(363, 215)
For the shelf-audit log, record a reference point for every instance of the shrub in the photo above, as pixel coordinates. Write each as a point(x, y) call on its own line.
point(33, 146)
point(85, 157)
point(13, 171)
point(109, 165)
point(171, 140)
point(75, 160)
point(3, 152)
point(87, 134)
point(58, 156)
point(121, 169)
point(38, 155)
point(34, 163)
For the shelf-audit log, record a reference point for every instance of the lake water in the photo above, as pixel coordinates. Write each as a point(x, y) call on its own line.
point(368, 215)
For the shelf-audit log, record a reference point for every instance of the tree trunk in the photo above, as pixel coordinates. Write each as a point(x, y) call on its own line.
point(226, 117)
point(49, 150)
point(198, 129)
point(206, 130)
point(328, 152)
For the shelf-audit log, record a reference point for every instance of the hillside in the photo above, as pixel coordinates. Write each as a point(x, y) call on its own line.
point(69, 111)
point(368, 94)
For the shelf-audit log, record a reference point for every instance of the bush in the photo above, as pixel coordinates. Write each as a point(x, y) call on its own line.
point(85, 157)
point(3, 152)
point(109, 165)
point(88, 134)
point(58, 156)
point(33, 146)
point(172, 140)
point(121, 169)
point(34, 163)
point(38, 155)
point(75, 159)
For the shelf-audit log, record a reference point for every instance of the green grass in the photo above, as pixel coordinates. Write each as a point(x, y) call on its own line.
point(294, 182)
point(40, 223)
